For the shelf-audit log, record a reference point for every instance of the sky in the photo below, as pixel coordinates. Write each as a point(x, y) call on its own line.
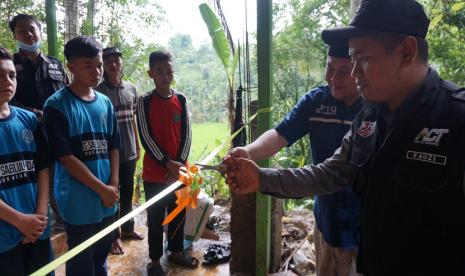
point(183, 16)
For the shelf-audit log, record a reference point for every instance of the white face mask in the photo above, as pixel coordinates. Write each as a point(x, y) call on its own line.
point(29, 48)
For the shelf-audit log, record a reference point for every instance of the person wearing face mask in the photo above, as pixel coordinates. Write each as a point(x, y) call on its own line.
point(38, 75)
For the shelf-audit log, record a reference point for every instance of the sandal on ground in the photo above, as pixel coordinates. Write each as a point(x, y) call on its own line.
point(217, 254)
point(155, 270)
point(133, 235)
point(117, 247)
point(213, 222)
point(183, 260)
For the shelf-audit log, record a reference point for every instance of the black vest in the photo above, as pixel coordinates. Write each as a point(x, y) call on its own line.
point(410, 181)
point(37, 81)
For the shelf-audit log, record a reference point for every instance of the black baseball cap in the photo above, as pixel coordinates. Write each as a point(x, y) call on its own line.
point(338, 51)
point(376, 16)
point(111, 51)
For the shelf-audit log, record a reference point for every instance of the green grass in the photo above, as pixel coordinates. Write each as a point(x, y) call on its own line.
point(205, 138)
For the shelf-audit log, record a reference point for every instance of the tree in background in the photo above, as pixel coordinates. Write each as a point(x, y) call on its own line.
point(299, 53)
point(446, 37)
point(300, 57)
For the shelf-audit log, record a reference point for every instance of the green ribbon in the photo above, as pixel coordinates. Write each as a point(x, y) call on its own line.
point(90, 241)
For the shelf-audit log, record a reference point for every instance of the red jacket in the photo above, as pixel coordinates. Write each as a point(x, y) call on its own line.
point(165, 133)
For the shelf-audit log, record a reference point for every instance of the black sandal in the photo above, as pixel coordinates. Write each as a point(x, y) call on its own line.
point(155, 270)
point(217, 254)
point(183, 260)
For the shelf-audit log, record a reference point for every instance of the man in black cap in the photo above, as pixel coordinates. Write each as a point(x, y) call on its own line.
point(325, 113)
point(123, 96)
point(405, 151)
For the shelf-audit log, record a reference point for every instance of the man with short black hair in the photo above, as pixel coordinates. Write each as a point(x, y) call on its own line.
point(83, 132)
point(405, 151)
point(38, 75)
point(123, 96)
point(325, 114)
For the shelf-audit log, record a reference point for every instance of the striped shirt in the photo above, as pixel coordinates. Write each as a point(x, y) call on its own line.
point(123, 98)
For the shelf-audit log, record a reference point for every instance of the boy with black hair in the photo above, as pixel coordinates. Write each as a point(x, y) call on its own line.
point(83, 133)
point(24, 182)
point(38, 75)
point(165, 134)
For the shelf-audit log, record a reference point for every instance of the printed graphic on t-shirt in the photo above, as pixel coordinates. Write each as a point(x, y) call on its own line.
point(27, 136)
point(90, 146)
point(16, 169)
point(176, 117)
point(326, 109)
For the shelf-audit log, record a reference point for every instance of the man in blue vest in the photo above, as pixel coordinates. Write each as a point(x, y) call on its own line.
point(325, 113)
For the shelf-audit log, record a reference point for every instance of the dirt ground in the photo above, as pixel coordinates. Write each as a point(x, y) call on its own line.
point(297, 249)
point(135, 258)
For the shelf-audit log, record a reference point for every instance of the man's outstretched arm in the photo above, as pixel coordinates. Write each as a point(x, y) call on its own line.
point(332, 175)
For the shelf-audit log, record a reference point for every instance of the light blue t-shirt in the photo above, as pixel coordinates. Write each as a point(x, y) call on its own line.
point(23, 152)
point(89, 131)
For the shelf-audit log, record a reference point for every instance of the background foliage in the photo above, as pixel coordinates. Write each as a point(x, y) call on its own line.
point(298, 53)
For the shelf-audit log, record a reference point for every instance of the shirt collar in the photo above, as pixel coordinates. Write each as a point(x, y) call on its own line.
point(40, 56)
point(110, 85)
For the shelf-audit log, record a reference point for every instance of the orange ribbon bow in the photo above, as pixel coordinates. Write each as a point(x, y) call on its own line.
point(186, 196)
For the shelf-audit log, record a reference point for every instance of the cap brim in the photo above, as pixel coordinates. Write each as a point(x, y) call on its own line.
point(112, 54)
point(341, 36)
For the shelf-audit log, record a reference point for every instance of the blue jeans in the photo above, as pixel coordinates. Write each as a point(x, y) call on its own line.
point(93, 260)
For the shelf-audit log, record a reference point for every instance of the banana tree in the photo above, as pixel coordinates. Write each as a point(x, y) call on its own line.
point(224, 53)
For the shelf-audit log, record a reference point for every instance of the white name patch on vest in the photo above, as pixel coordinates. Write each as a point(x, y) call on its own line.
point(427, 157)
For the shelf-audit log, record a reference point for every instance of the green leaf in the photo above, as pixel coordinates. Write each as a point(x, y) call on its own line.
point(215, 29)
point(436, 20)
point(233, 67)
point(457, 7)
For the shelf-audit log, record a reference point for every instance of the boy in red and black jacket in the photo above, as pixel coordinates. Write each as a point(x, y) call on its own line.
point(165, 133)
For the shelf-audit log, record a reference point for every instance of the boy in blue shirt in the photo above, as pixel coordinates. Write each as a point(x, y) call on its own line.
point(24, 182)
point(83, 133)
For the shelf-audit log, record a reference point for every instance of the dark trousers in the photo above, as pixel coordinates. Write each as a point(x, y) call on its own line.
point(52, 200)
point(25, 259)
point(93, 260)
point(126, 191)
point(155, 217)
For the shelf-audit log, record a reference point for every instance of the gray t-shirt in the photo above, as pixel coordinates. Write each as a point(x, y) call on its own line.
point(124, 98)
